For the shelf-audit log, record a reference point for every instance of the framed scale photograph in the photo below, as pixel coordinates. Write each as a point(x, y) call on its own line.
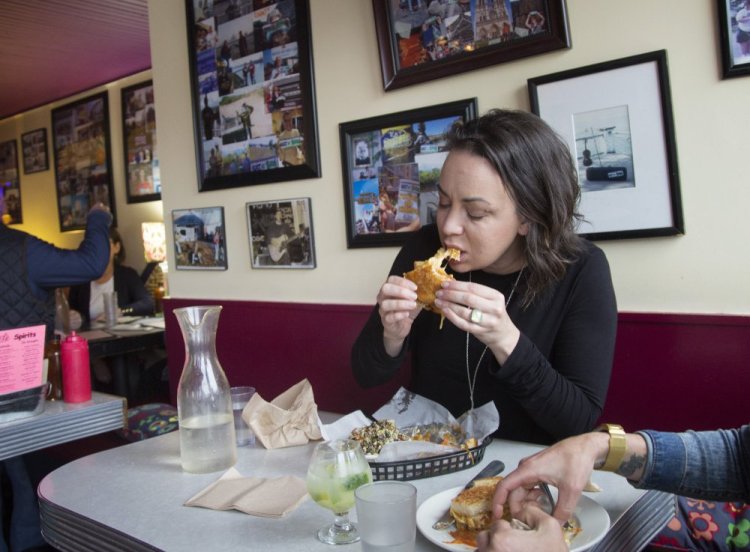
point(281, 233)
point(34, 149)
point(391, 166)
point(616, 118)
point(253, 92)
point(422, 40)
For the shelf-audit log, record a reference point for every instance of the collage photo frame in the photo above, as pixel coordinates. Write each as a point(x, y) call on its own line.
point(253, 92)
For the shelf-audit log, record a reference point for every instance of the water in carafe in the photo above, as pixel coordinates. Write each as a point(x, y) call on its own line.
point(204, 403)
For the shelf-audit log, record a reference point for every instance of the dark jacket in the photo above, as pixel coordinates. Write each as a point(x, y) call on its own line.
point(132, 297)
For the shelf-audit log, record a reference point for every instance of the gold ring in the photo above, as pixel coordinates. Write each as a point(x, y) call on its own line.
point(476, 316)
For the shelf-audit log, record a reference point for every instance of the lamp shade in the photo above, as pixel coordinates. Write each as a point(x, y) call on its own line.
point(154, 241)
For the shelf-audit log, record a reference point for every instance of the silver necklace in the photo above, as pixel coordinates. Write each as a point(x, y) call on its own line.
point(472, 380)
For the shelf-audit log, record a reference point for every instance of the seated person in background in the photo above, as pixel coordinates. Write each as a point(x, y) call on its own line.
point(707, 465)
point(132, 297)
point(531, 313)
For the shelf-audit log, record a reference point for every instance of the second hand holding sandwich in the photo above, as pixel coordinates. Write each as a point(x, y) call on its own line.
point(493, 468)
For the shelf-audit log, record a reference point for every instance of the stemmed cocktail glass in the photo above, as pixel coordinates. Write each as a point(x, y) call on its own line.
point(336, 469)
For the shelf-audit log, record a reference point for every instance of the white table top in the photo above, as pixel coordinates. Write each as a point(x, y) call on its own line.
point(61, 422)
point(131, 498)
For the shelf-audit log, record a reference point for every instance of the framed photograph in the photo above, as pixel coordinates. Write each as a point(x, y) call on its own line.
point(616, 118)
point(199, 238)
point(10, 183)
point(83, 160)
point(34, 149)
point(281, 233)
point(422, 40)
point(139, 141)
point(391, 166)
point(253, 93)
point(734, 33)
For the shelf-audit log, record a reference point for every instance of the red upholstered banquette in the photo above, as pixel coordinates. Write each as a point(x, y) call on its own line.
point(671, 371)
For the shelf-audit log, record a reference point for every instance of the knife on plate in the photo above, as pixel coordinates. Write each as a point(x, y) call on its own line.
point(490, 470)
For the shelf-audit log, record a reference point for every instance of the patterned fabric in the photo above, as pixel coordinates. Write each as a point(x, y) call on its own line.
point(705, 525)
point(149, 420)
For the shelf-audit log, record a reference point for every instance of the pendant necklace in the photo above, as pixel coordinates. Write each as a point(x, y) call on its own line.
point(472, 380)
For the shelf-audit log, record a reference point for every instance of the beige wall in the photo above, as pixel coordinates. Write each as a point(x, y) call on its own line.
point(705, 271)
point(38, 189)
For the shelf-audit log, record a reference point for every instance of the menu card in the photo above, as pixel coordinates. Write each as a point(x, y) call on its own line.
point(21, 358)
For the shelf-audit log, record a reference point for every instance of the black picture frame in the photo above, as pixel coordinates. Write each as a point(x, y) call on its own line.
point(391, 167)
point(253, 92)
point(10, 183)
point(735, 54)
point(141, 159)
point(286, 243)
point(616, 118)
point(421, 41)
point(200, 238)
point(34, 151)
point(83, 159)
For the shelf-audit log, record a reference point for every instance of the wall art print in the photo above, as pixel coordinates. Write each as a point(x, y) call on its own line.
point(83, 176)
point(391, 166)
point(281, 233)
point(139, 141)
point(199, 238)
point(253, 92)
point(34, 150)
point(10, 182)
point(422, 40)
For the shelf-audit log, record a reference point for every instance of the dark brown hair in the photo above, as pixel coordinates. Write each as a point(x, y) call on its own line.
point(114, 235)
point(538, 172)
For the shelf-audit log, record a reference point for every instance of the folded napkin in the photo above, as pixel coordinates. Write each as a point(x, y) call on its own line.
point(256, 496)
point(288, 420)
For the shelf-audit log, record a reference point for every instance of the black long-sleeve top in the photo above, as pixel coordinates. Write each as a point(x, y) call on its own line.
point(555, 381)
point(131, 294)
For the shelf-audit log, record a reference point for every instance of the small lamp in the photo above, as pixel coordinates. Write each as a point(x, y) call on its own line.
point(155, 250)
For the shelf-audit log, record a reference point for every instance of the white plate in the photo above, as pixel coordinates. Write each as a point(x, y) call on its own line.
point(592, 517)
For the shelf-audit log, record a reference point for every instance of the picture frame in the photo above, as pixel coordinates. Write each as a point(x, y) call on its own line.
point(142, 176)
point(83, 159)
point(200, 238)
point(616, 118)
point(281, 233)
point(421, 40)
point(34, 150)
point(391, 168)
point(10, 183)
point(253, 92)
point(734, 34)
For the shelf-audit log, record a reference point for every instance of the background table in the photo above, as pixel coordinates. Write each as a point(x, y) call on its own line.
point(130, 498)
point(61, 422)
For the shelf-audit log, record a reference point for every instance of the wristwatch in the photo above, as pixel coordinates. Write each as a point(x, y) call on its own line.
point(617, 446)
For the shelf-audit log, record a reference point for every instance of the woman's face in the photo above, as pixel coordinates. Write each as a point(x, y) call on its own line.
point(477, 216)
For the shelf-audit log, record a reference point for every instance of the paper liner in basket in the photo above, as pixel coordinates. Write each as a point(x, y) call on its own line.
point(288, 420)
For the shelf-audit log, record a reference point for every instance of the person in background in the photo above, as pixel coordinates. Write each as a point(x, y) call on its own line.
point(132, 298)
point(531, 314)
point(31, 270)
point(706, 465)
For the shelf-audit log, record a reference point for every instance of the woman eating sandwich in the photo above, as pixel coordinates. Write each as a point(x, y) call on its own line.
point(529, 307)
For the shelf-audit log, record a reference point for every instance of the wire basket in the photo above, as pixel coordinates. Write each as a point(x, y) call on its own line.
point(406, 470)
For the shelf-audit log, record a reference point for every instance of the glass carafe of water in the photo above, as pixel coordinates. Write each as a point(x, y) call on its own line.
point(204, 403)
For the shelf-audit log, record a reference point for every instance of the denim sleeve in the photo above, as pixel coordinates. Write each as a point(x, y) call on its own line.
point(711, 465)
point(51, 267)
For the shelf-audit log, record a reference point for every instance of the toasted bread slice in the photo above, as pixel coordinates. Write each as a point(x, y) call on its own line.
point(472, 508)
point(429, 276)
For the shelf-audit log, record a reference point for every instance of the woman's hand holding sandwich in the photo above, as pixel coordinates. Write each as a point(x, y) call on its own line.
point(397, 305)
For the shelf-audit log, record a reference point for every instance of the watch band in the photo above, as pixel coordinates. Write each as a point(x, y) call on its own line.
point(617, 446)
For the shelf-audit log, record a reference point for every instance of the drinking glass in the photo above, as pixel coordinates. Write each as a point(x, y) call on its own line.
point(336, 469)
